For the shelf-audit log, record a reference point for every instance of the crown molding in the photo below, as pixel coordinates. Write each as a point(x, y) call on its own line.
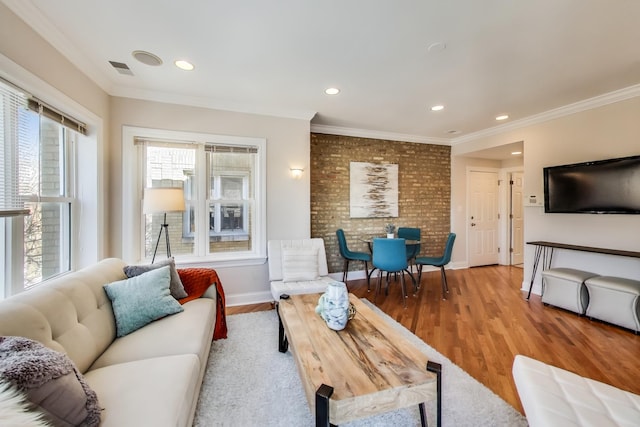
point(365, 133)
point(31, 15)
point(576, 107)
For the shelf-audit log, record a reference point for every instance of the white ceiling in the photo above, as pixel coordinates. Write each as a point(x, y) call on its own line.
point(520, 58)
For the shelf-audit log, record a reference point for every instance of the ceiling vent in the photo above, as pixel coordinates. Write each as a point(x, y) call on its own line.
point(147, 58)
point(121, 68)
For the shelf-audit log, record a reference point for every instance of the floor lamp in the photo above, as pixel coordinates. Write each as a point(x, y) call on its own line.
point(163, 200)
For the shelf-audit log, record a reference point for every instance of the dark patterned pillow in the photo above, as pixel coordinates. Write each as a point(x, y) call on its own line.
point(50, 381)
point(175, 286)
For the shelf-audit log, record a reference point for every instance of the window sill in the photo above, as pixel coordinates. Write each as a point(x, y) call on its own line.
point(230, 261)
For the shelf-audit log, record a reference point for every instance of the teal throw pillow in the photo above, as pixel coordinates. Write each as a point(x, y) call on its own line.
point(141, 300)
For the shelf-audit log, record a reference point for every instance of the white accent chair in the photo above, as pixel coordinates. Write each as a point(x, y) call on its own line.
point(297, 267)
point(554, 397)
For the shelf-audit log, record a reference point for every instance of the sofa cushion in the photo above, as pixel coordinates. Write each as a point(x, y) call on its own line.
point(176, 287)
point(50, 381)
point(157, 392)
point(299, 264)
point(141, 300)
point(296, 288)
point(188, 332)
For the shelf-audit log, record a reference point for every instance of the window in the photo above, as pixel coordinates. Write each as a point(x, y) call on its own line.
point(37, 164)
point(223, 182)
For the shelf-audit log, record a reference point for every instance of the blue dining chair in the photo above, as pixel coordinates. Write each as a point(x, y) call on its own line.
point(409, 233)
point(349, 255)
point(438, 262)
point(390, 256)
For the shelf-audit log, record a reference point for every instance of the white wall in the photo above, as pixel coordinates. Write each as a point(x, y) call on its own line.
point(288, 199)
point(605, 132)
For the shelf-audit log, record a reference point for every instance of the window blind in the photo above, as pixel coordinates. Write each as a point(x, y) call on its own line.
point(221, 148)
point(57, 116)
point(14, 135)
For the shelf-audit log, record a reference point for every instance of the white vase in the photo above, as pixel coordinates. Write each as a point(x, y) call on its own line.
point(333, 306)
point(389, 235)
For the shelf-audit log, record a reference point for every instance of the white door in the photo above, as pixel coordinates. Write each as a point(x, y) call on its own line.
point(517, 219)
point(482, 223)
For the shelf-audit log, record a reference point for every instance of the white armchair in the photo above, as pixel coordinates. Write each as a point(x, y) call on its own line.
point(297, 267)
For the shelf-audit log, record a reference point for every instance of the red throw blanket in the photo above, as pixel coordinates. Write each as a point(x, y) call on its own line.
point(196, 281)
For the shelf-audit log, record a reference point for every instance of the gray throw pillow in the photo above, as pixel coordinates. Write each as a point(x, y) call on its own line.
point(175, 286)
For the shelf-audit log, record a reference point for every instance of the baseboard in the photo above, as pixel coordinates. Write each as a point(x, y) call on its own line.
point(536, 289)
point(248, 298)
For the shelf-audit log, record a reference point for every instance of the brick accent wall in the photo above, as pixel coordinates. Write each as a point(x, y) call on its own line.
point(424, 187)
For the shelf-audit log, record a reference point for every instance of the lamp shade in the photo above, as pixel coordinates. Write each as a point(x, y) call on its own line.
point(160, 200)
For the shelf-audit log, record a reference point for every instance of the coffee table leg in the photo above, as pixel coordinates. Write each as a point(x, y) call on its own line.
point(283, 343)
point(437, 369)
point(323, 394)
point(423, 415)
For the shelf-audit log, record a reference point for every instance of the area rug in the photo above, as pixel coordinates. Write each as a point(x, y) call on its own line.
point(250, 383)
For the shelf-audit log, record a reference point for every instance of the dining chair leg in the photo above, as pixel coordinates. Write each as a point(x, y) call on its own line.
point(445, 287)
point(366, 272)
point(375, 297)
point(345, 272)
point(404, 291)
point(369, 276)
point(413, 280)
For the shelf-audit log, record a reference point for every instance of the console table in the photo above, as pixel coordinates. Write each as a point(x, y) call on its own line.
point(546, 250)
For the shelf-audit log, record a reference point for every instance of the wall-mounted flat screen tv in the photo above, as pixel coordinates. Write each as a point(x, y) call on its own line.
point(609, 186)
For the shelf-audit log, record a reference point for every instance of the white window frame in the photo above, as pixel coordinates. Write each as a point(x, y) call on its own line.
point(88, 231)
point(132, 193)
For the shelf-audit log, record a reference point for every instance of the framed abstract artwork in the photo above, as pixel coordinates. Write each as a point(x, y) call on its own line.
point(373, 190)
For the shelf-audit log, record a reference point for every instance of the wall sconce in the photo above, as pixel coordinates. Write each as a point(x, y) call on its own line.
point(296, 173)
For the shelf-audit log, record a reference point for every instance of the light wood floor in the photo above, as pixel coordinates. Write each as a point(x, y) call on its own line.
point(486, 321)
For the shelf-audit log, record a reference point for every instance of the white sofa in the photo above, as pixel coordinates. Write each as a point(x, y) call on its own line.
point(554, 397)
point(150, 377)
point(297, 267)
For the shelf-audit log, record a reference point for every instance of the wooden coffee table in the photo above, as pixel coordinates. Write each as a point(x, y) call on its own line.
point(365, 369)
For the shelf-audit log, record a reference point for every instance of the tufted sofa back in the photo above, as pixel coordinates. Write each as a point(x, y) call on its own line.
point(71, 314)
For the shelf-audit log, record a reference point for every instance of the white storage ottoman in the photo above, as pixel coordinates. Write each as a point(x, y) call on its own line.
point(564, 288)
point(615, 300)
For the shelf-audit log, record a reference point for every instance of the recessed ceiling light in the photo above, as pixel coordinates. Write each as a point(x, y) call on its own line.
point(332, 91)
point(184, 65)
point(502, 117)
point(437, 108)
point(515, 153)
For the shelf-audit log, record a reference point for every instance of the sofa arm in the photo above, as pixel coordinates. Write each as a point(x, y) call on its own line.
point(199, 282)
point(205, 283)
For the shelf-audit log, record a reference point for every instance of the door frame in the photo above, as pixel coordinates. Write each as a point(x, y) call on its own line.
point(504, 224)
